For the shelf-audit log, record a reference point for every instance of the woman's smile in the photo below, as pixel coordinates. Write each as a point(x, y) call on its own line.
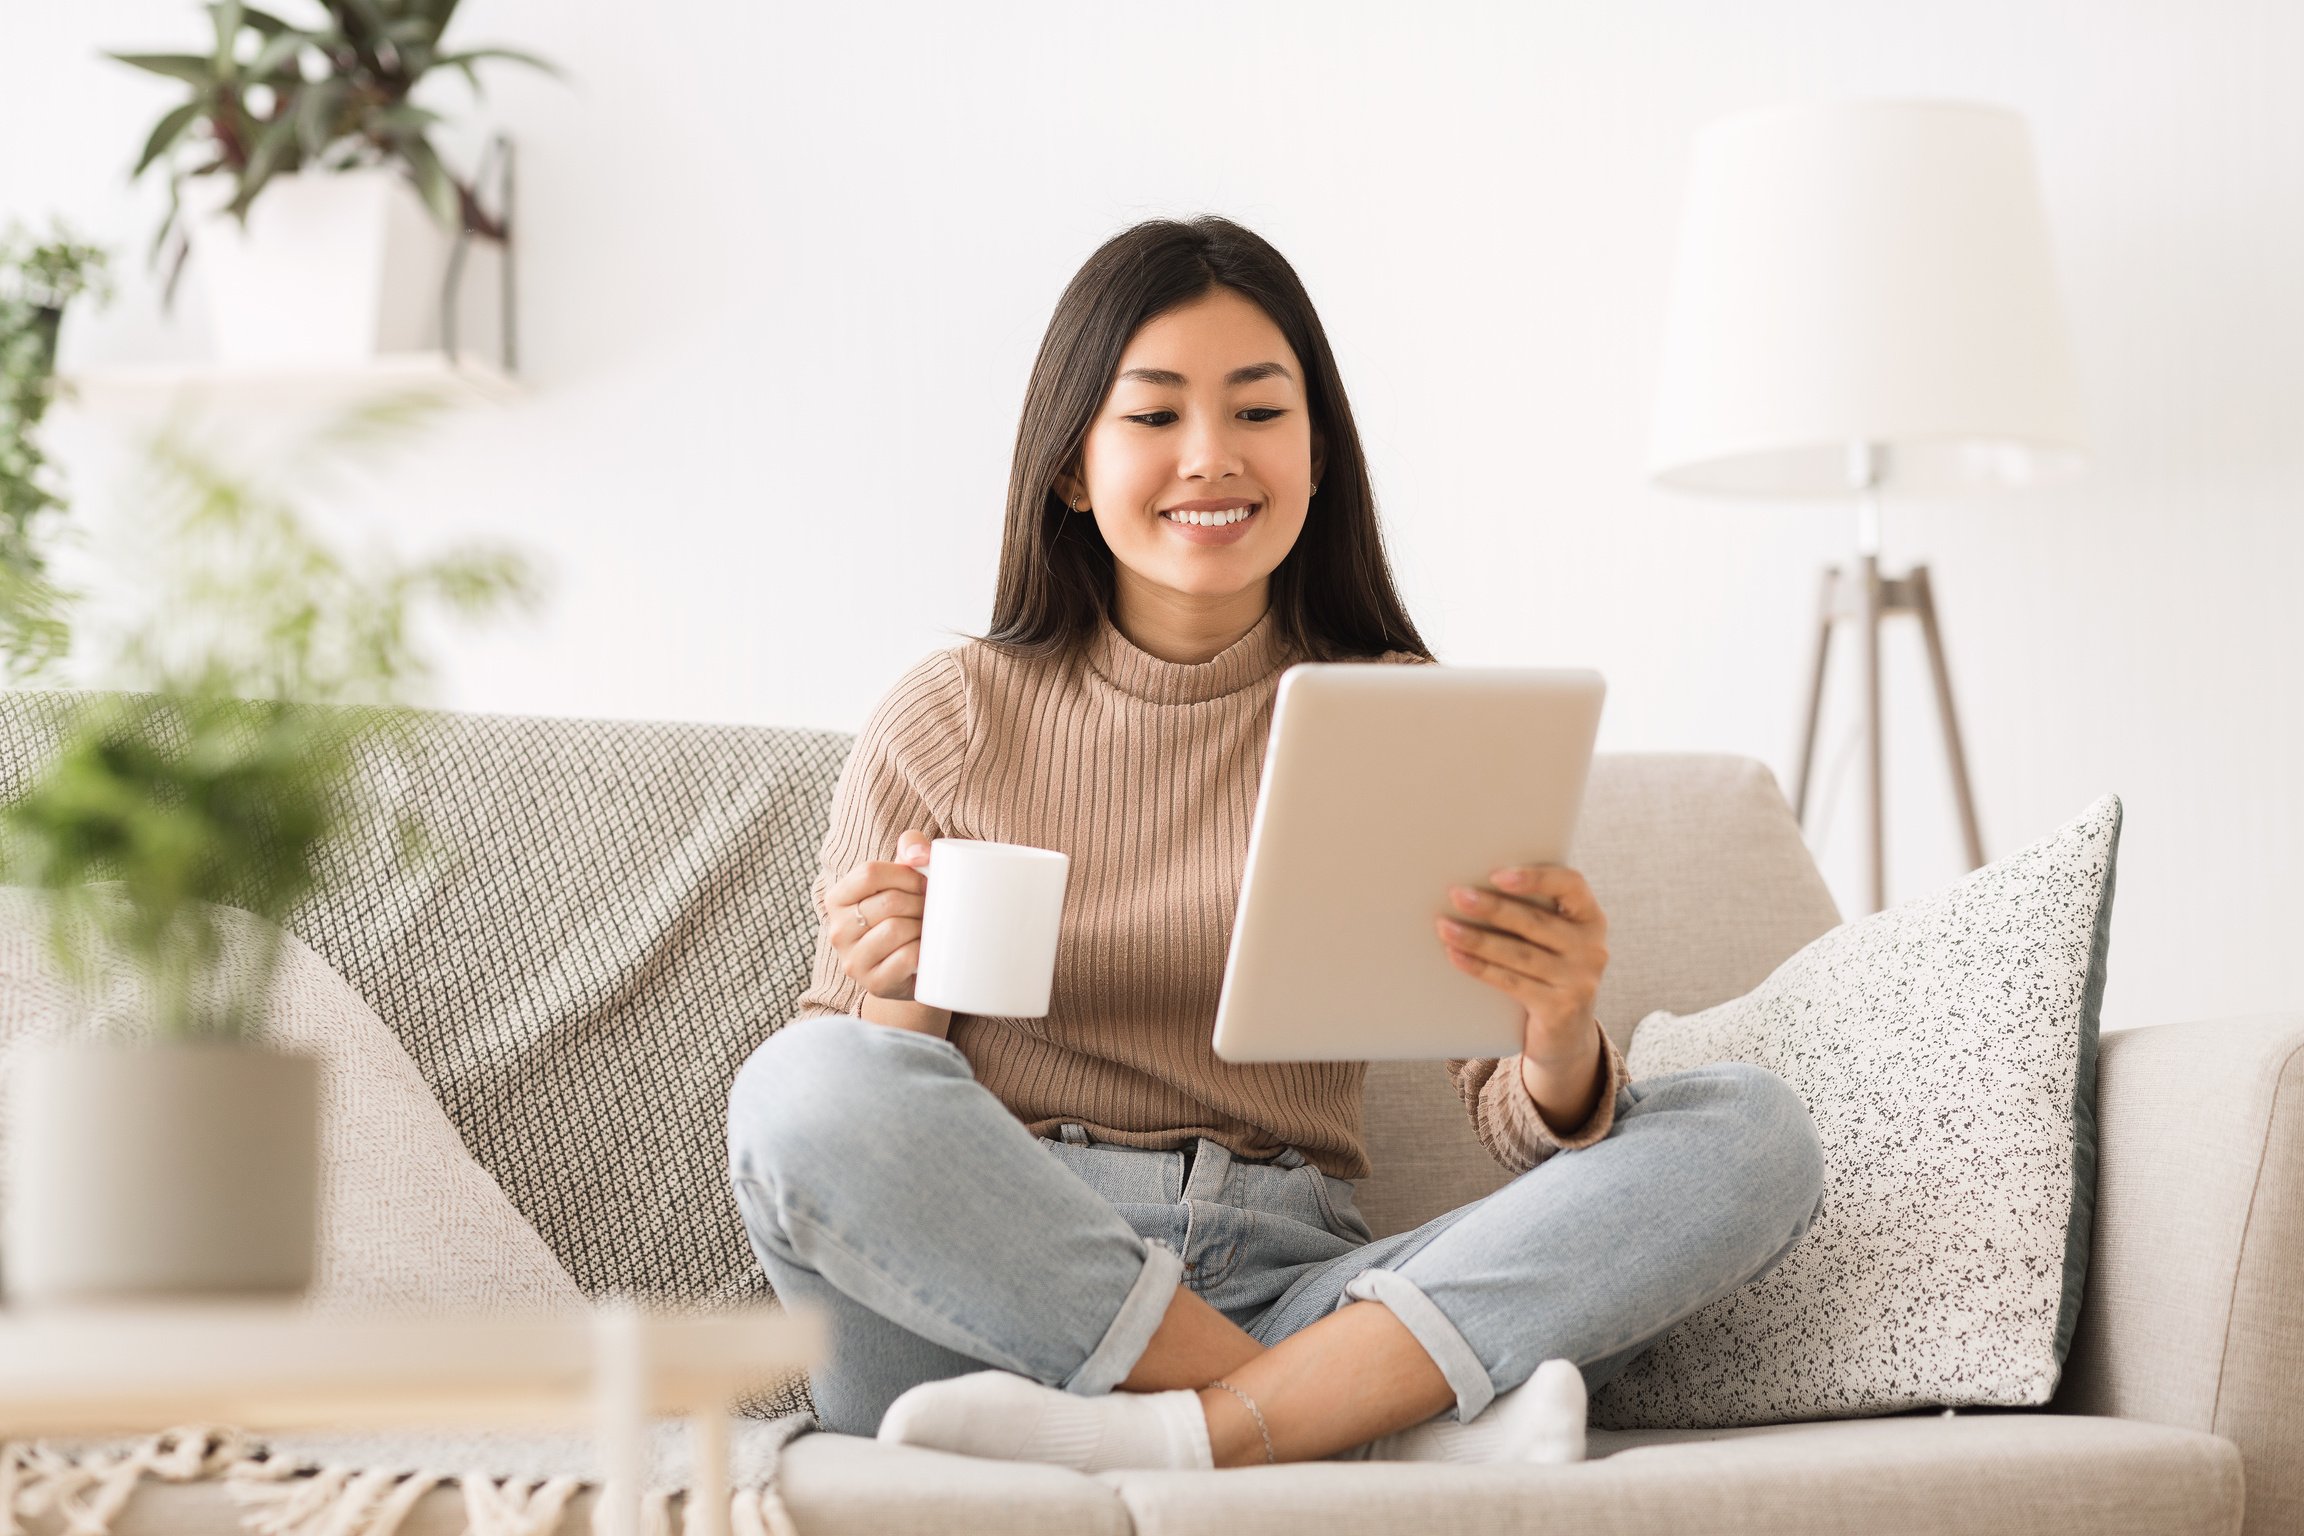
point(1223, 527)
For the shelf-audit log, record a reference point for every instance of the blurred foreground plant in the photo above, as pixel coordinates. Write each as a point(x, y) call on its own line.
point(228, 752)
point(38, 279)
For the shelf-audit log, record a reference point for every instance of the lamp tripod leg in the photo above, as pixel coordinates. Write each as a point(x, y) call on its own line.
point(1868, 607)
point(1924, 601)
point(1805, 762)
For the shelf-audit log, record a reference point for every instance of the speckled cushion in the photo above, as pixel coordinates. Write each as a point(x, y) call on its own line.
point(1946, 1049)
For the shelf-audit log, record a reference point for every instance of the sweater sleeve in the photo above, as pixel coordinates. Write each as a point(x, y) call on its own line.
point(901, 773)
point(1505, 1117)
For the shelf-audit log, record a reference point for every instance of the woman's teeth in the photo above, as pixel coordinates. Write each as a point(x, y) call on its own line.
point(1209, 519)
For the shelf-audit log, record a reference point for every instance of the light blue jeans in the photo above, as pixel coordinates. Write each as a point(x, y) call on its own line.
point(882, 1185)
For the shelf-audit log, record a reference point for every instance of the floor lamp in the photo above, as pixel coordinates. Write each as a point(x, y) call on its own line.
point(1863, 300)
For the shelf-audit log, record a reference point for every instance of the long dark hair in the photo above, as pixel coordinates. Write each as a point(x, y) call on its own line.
point(1332, 596)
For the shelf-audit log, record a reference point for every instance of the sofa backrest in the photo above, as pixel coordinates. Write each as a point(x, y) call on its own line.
point(617, 912)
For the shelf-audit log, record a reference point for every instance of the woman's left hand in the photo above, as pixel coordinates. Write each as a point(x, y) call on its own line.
point(1541, 939)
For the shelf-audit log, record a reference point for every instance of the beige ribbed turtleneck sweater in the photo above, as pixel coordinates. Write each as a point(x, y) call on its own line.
point(1145, 772)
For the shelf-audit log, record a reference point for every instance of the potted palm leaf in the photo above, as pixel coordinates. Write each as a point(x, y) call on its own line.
point(175, 1152)
point(304, 179)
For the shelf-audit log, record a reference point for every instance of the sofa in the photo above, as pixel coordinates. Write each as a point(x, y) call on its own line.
point(616, 912)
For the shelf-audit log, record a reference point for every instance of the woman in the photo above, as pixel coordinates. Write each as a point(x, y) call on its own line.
point(1156, 1252)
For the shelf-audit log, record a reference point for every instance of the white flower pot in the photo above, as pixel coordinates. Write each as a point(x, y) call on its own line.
point(337, 267)
point(160, 1170)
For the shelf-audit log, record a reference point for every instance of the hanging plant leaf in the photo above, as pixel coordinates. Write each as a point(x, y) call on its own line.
point(164, 135)
point(279, 55)
point(473, 55)
point(263, 22)
point(189, 67)
point(433, 182)
point(316, 108)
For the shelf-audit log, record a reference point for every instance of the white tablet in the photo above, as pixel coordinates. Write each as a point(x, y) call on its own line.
point(1383, 785)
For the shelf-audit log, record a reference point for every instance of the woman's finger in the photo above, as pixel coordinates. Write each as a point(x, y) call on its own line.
point(874, 875)
point(892, 977)
point(1520, 987)
point(882, 940)
point(1553, 888)
point(1512, 914)
point(1530, 960)
point(880, 905)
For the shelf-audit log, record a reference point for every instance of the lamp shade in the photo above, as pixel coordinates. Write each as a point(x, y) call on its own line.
point(1870, 272)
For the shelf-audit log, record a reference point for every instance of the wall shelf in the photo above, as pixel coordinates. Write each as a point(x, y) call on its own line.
point(147, 386)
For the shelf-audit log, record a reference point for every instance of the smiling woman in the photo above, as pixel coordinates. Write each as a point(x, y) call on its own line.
point(1090, 1199)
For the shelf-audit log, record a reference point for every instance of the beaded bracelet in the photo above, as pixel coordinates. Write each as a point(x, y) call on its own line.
point(1252, 1408)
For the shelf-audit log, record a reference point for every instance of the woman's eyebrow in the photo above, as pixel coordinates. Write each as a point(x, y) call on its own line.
point(1169, 379)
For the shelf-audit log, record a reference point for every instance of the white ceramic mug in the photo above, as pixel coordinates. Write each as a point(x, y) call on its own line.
point(988, 928)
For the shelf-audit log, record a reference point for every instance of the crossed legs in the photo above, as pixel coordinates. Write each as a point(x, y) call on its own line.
point(1692, 1195)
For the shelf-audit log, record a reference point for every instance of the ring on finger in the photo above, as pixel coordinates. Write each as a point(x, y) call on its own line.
point(863, 923)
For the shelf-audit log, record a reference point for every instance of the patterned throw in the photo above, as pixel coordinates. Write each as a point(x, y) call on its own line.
point(1946, 1049)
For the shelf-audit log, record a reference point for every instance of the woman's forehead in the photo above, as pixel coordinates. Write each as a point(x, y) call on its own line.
point(1218, 336)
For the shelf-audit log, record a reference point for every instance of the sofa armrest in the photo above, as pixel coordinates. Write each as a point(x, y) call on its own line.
point(2192, 1311)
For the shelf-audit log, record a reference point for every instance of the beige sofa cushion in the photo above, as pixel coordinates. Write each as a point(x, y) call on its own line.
point(1708, 885)
point(1986, 1474)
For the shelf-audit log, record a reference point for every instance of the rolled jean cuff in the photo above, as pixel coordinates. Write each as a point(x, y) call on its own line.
point(1430, 1328)
point(1140, 1315)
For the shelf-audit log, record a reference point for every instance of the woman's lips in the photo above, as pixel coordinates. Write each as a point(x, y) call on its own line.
point(1229, 533)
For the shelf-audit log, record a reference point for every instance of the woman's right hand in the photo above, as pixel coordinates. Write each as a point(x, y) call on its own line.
point(874, 918)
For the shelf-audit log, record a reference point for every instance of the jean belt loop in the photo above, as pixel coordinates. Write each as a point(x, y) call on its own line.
point(1077, 1135)
point(1291, 1158)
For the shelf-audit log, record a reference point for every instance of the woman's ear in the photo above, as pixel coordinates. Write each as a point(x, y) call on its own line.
point(1068, 491)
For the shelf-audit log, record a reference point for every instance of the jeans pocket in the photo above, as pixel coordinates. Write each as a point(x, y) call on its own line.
point(1336, 1208)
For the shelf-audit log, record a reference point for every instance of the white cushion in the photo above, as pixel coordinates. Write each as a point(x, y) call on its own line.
point(1946, 1049)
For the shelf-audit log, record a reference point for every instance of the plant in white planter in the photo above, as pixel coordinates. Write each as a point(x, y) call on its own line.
point(179, 1156)
point(302, 172)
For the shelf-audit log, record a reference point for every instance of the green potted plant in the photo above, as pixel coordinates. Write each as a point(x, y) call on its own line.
point(38, 279)
point(179, 1155)
point(304, 176)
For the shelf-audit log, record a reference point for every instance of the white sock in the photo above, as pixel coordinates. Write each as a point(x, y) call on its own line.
point(1540, 1420)
point(1014, 1418)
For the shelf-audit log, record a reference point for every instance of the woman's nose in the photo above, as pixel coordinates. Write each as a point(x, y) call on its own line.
point(1210, 450)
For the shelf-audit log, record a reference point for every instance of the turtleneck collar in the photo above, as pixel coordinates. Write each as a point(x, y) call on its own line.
point(1250, 659)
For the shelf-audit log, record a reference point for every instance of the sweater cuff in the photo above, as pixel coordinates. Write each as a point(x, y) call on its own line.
point(1514, 1114)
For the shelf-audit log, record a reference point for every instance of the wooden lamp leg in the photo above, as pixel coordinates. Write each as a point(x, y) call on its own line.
point(1868, 621)
point(1806, 760)
point(1924, 602)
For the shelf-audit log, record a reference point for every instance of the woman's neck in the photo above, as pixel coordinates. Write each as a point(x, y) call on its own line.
point(1185, 629)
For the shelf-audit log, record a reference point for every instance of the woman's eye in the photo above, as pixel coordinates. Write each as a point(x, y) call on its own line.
point(1261, 413)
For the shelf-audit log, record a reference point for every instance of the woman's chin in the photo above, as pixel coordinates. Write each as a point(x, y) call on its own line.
point(1213, 586)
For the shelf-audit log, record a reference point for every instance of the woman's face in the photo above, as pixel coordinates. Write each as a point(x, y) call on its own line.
point(1207, 406)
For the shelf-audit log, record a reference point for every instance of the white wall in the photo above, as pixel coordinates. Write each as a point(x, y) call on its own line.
point(785, 268)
